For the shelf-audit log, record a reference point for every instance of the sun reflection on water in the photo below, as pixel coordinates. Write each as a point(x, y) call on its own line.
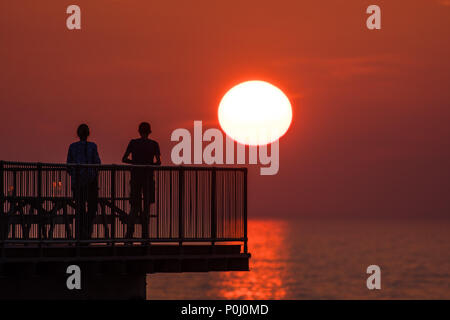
point(264, 281)
point(316, 259)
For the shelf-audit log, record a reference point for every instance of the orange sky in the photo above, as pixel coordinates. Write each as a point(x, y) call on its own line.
point(370, 133)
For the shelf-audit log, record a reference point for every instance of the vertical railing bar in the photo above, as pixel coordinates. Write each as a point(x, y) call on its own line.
point(180, 204)
point(245, 212)
point(235, 203)
point(39, 203)
point(223, 217)
point(157, 205)
point(3, 228)
point(78, 206)
point(13, 204)
point(196, 204)
point(213, 218)
point(148, 205)
point(113, 203)
point(170, 204)
point(14, 194)
point(124, 202)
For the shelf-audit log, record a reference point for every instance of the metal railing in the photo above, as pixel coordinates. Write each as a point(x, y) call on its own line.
point(73, 204)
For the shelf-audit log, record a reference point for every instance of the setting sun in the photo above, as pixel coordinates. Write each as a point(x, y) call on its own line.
point(255, 113)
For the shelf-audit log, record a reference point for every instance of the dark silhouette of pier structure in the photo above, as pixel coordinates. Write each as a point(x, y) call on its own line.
point(198, 223)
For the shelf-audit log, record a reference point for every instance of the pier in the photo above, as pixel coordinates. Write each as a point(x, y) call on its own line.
point(197, 223)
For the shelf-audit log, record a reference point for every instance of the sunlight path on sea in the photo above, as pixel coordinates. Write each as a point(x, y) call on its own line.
point(313, 259)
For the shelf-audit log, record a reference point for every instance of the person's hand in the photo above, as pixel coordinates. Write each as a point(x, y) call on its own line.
point(126, 160)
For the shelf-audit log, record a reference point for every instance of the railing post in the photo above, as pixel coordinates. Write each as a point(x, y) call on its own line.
point(3, 221)
point(13, 203)
point(245, 212)
point(14, 190)
point(39, 200)
point(78, 205)
point(180, 205)
point(113, 202)
point(213, 207)
point(2, 190)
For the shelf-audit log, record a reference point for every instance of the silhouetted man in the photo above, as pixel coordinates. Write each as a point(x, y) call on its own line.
point(143, 151)
point(85, 181)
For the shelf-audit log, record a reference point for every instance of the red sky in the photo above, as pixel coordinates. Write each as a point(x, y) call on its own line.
point(370, 135)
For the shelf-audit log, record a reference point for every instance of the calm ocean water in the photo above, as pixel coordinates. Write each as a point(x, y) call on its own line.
point(307, 259)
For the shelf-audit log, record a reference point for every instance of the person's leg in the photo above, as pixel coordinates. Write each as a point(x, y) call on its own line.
point(92, 208)
point(149, 198)
point(83, 195)
point(145, 215)
point(135, 202)
point(78, 211)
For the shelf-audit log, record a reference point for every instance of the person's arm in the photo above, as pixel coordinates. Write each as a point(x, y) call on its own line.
point(69, 155)
point(96, 156)
point(157, 155)
point(70, 160)
point(126, 155)
point(158, 160)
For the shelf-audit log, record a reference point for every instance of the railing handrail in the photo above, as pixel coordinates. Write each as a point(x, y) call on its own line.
point(119, 166)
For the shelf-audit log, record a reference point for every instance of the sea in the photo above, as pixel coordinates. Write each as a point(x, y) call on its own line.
point(327, 259)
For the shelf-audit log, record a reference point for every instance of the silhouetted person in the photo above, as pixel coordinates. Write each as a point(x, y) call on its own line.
point(85, 181)
point(143, 151)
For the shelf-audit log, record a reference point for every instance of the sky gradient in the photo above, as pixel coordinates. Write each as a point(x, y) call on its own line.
point(370, 135)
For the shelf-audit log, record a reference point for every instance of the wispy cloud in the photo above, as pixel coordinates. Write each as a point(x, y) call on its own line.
point(345, 67)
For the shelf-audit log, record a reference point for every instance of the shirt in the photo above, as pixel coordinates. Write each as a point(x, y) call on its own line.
point(83, 152)
point(143, 151)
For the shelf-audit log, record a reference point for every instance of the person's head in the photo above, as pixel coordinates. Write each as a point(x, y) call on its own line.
point(144, 129)
point(83, 132)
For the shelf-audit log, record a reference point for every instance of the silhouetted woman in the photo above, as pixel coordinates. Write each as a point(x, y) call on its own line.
point(85, 181)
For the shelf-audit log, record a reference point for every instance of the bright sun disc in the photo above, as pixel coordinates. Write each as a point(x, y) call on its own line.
point(255, 113)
